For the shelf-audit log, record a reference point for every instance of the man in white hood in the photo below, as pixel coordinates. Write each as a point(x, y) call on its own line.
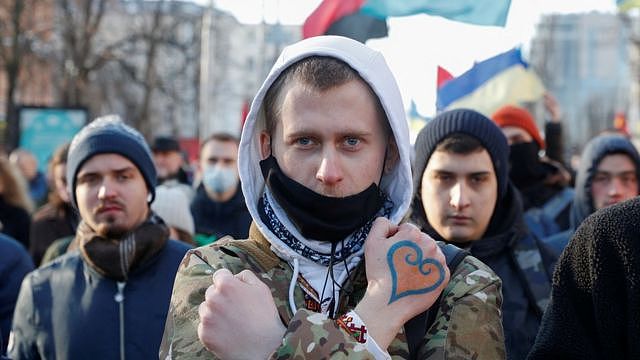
point(327, 269)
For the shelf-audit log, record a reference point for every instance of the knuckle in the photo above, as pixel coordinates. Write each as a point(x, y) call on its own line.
point(410, 231)
point(380, 220)
point(209, 294)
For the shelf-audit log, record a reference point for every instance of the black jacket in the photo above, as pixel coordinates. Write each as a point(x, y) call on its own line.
point(595, 307)
point(66, 310)
point(221, 218)
point(50, 223)
point(523, 264)
point(15, 222)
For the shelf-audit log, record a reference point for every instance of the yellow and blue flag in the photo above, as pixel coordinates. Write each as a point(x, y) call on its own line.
point(503, 79)
point(626, 5)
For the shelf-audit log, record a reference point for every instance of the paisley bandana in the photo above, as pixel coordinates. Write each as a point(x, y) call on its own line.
point(352, 244)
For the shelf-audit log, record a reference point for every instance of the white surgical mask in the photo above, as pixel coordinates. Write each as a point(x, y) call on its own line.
point(219, 179)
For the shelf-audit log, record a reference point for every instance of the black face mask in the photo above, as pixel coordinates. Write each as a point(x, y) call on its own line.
point(526, 168)
point(317, 216)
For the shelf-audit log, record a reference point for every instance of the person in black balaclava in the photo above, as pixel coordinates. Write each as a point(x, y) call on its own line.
point(543, 183)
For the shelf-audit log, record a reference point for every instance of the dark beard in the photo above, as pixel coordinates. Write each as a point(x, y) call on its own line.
point(110, 230)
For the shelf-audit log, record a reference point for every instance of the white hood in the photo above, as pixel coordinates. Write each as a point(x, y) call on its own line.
point(373, 69)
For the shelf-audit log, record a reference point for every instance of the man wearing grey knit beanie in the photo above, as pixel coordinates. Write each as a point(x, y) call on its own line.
point(463, 196)
point(108, 296)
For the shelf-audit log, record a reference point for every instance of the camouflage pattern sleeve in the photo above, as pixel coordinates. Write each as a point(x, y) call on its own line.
point(309, 334)
point(312, 335)
point(469, 321)
point(194, 276)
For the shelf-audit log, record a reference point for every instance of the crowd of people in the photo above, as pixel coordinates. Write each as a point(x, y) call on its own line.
point(324, 233)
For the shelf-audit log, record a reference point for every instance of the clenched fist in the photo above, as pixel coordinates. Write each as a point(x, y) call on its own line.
point(238, 317)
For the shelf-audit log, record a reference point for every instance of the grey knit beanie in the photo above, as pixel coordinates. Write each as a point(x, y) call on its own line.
point(109, 134)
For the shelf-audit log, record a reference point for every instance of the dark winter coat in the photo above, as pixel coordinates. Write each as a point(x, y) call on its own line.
point(220, 218)
point(15, 222)
point(50, 223)
point(595, 308)
point(15, 263)
point(49, 328)
point(524, 266)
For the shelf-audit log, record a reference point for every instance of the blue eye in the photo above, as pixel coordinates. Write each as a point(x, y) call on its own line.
point(352, 141)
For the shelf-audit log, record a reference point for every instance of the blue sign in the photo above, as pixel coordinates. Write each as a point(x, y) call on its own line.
point(42, 130)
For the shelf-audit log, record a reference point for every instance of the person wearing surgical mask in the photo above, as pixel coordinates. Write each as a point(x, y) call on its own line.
point(218, 207)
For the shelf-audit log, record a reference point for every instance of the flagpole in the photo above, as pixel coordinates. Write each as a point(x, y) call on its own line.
point(206, 65)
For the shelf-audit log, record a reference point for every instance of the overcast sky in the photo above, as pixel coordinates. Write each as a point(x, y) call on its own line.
point(416, 45)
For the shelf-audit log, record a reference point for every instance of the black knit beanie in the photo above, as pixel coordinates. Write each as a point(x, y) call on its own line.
point(467, 122)
point(109, 134)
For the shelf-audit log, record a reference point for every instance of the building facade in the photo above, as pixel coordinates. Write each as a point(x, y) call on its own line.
point(585, 61)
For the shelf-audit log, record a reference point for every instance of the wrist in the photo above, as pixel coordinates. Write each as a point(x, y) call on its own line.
point(382, 323)
point(356, 327)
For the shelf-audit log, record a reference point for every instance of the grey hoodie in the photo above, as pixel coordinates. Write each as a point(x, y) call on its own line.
point(595, 150)
point(371, 66)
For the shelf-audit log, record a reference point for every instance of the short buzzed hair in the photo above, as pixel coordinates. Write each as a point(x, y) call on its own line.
point(460, 143)
point(321, 73)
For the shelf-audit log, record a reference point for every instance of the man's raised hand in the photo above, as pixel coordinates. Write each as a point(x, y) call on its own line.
point(406, 272)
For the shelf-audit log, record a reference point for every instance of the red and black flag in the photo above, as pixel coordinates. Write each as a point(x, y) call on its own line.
point(343, 17)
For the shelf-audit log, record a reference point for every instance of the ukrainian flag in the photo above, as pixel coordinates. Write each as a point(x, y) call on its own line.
point(626, 5)
point(490, 84)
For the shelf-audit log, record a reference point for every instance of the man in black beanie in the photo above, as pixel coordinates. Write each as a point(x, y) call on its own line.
point(109, 295)
point(462, 195)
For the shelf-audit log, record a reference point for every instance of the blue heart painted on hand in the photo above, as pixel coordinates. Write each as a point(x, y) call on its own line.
point(410, 272)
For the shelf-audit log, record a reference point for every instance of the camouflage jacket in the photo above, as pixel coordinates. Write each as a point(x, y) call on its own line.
point(468, 323)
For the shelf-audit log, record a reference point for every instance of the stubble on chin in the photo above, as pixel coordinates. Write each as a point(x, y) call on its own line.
point(109, 228)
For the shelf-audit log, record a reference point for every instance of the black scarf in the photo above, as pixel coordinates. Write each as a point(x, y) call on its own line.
point(350, 245)
point(317, 216)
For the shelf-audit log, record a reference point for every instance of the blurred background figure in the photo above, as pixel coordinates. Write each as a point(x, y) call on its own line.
point(15, 203)
point(28, 166)
point(169, 160)
point(57, 218)
point(172, 205)
point(608, 174)
point(542, 181)
point(218, 208)
point(15, 263)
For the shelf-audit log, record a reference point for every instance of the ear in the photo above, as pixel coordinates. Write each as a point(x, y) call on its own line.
point(265, 144)
point(393, 155)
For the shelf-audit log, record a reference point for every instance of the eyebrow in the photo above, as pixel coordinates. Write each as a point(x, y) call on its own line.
point(217, 158)
point(604, 172)
point(98, 171)
point(480, 173)
point(475, 173)
point(341, 133)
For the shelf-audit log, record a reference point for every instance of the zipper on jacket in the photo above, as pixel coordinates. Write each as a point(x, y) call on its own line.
point(119, 298)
